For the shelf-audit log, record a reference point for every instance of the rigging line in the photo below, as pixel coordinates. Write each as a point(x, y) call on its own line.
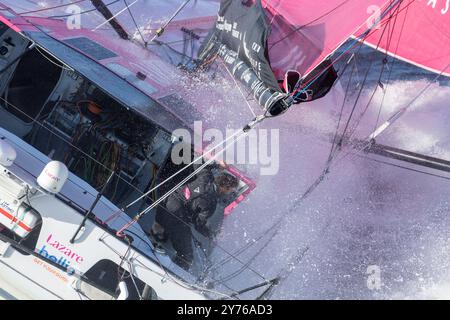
point(353, 44)
point(392, 67)
point(145, 211)
point(159, 43)
point(385, 61)
point(83, 12)
point(295, 260)
point(389, 42)
point(184, 168)
point(165, 273)
point(369, 140)
point(335, 148)
point(115, 16)
point(309, 23)
point(161, 30)
point(240, 90)
point(130, 266)
point(51, 8)
point(336, 162)
point(342, 137)
point(135, 23)
point(284, 274)
point(130, 270)
point(224, 261)
point(72, 145)
point(168, 54)
point(266, 283)
point(332, 152)
point(301, 27)
point(358, 81)
point(336, 133)
point(325, 171)
point(123, 259)
point(244, 267)
point(360, 38)
point(403, 110)
point(234, 293)
point(102, 165)
point(332, 156)
point(180, 282)
point(329, 157)
point(64, 66)
point(166, 44)
point(366, 108)
point(115, 215)
point(339, 145)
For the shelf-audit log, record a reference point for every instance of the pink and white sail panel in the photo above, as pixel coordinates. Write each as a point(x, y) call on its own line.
point(305, 32)
point(268, 42)
point(420, 36)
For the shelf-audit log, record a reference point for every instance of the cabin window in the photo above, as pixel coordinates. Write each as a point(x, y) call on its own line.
point(72, 120)
point(103, 283)
point(28, 90)
point(91, 48)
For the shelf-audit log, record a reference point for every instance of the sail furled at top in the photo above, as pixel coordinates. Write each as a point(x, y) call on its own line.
point(421, 35)
point(240, 38)
point(280, 49)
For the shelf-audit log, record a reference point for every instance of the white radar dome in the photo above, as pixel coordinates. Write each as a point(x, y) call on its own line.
point(53, 177)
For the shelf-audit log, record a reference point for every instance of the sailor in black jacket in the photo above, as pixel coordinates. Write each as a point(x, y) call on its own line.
point(192, 204)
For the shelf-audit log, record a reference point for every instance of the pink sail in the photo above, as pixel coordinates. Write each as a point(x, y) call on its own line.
point(420, 36)
point(304, 32)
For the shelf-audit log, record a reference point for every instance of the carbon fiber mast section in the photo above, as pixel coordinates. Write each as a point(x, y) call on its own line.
point(107, 14)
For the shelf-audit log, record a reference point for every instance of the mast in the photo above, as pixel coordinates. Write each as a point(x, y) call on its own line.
point(107, 14)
